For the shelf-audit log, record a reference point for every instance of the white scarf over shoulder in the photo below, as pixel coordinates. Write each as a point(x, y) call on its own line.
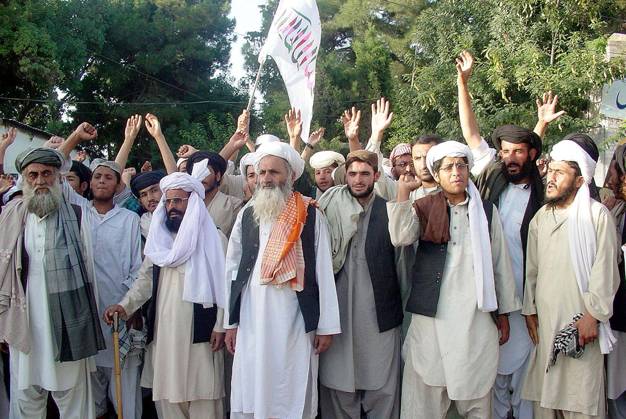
point(197, 242)
point(478, 226)
point(582, 234)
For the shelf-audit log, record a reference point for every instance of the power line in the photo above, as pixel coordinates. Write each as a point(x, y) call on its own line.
point(80, 102)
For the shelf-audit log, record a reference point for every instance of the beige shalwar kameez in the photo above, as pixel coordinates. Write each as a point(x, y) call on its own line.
point(185, 375)
point(572, 387)
point(454, 355)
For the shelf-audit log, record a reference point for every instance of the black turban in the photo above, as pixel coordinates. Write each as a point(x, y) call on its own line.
point(586, 143)
point(42, 155)
point(217, 162)
point(516, 135)
point(82, 171)
point(145, 180)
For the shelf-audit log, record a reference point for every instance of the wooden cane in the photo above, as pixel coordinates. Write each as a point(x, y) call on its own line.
point(117, 369)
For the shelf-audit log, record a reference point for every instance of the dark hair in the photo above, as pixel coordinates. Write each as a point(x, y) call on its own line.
point(427, 139)
point(82, 171)
point(217, 162)
point(438, 163)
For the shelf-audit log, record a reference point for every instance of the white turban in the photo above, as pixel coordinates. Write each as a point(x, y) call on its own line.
point(197, 244)
point(284, 151)
point(180, 161)
point(326, 158)
point(266, 138)
point(448, 149)
point(248, 159)
point(479, 226)
point(581, 231)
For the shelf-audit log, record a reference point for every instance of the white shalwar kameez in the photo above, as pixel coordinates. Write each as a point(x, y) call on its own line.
point(35, 374)
point(275, 367)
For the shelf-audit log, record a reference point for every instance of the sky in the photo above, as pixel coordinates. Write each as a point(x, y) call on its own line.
point(248, 18)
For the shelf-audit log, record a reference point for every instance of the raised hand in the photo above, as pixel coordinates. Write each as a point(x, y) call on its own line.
point(133, 125)
point(350, 120)
point(153, 126)
point(185, 151)
point(86, 132)
point(464, 66)
point(381, 117)
point(54, 142)
point(293, 120)
point(8, 138)
point(243, 121)
point(316, 136)
point(546, 108)
point(128, 174)
point(146, 167)
point(407, 183)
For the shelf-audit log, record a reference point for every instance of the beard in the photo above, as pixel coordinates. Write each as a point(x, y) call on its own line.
point(562, 197)
point(363, 194)
point(269, 202)
point(524, 171)
point(42, 201)
point(173, 223)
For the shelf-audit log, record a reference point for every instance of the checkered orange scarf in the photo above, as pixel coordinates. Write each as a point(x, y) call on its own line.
point(283, 260)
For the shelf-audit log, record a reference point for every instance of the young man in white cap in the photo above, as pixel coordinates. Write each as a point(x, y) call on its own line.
point(571, 280)
point(463, 278)
point(116, 246)
point(282, 307)
point(325, 163)
point(183, 274)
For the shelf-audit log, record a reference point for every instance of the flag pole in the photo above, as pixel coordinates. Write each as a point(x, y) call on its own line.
point(254, 86)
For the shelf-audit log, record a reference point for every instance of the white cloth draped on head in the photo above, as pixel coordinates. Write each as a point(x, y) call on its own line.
point(479, 227)
point(326, 158)
point(581, 232)
point(248, 159)
point(284, 151)
point(197, 242)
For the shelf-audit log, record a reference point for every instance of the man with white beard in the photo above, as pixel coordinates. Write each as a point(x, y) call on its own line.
point(48, 312)
point(282, 305)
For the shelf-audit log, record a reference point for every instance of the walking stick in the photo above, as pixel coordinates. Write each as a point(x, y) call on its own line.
point(116, 365)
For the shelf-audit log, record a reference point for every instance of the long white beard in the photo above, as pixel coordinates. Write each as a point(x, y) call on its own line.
point(269, 203)
point(42, 203)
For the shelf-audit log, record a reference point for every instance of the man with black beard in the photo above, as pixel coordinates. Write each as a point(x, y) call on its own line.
point(510, 181)
point(223, 208)
point(361, 371)
point(183, 276)
point(48, 312)
point(571, 280)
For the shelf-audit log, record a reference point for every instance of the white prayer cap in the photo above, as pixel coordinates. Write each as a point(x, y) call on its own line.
point(284, 151)
point(266, 138)
point(180, 161)
point(106, 163)
point(248, 159)
point(326, 158)
point(181, 180)
point(568, 150)
point(448, 149)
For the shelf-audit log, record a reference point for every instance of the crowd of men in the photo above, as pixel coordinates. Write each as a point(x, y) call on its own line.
point(476, 279)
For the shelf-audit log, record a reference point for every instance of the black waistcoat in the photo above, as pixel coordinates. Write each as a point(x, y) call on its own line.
point(618, 321)
point(381, 264)
point(430, 260)
point(203, 318)
point(308, 298)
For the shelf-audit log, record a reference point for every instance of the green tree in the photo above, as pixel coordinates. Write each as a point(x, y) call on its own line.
point(522, 50)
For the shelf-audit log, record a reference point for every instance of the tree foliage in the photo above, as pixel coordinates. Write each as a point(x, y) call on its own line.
point(405, 50)
point(117, 58)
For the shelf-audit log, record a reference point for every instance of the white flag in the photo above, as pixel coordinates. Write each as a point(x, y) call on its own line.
point(293, 42)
